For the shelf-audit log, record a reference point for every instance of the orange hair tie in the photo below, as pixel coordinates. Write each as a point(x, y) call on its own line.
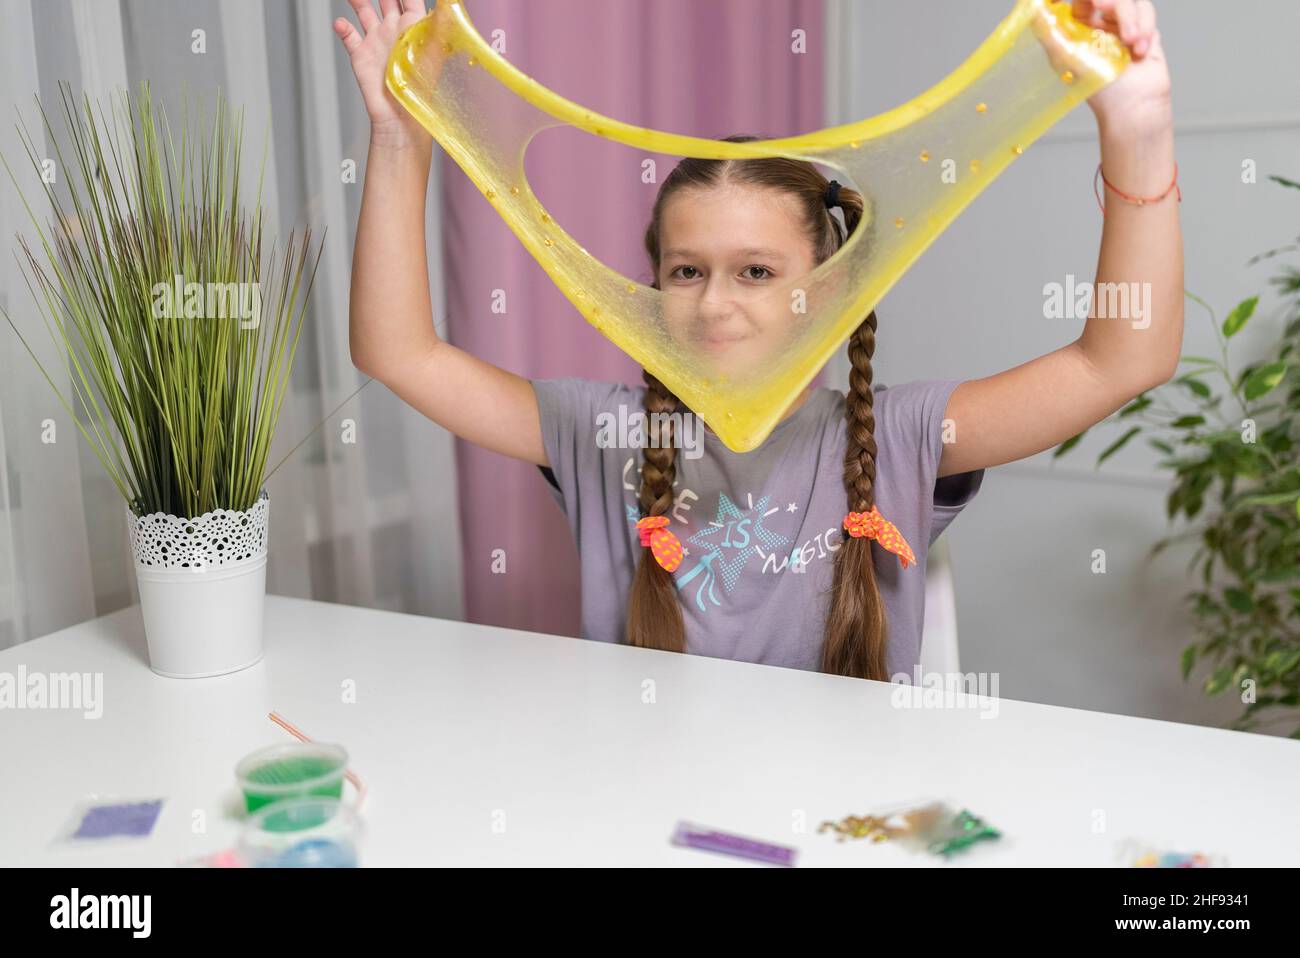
point(664, 546)
point(872, 525)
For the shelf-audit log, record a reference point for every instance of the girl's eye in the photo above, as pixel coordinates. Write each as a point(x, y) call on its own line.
point(748, 272)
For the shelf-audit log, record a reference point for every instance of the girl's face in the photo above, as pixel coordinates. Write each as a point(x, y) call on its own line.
point(730, 258)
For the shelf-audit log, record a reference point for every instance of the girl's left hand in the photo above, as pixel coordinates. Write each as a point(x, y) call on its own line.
point(1141, 94)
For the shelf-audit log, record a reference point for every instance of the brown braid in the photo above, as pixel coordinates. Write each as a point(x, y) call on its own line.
point(654, 618)
point(856, 627)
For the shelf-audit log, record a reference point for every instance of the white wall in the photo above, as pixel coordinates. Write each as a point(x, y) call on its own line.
point(1030, 608)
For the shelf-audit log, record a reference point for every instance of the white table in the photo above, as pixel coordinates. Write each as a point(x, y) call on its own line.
point(489, 746)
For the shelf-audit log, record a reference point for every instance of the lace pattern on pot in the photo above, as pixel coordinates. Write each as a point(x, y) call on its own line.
point(218, 538)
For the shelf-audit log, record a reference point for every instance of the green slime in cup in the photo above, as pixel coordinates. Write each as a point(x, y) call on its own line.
point(288, 771)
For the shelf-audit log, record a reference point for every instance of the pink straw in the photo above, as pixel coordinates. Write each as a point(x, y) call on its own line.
point(301, 736)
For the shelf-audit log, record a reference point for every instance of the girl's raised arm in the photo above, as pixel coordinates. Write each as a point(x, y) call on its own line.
point(391, 327)
point(1132, 339)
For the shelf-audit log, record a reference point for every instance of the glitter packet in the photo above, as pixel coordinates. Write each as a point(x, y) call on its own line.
point(710, 839)
point(934, 827)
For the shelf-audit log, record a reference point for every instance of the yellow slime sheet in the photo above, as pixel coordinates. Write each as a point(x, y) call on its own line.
point(918, 166)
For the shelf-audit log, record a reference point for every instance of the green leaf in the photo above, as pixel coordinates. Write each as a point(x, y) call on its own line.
point(1284, 181)
point(1238, 317)
point(1188, 661)
point(1282, 661)
point(1267, 499)
point(1187, 422)
point(1069, 444)
point(1283, 573)
point(1203, 360)
point(1264, 379)
point(1218, 680)
point(1136, 406)
point(1225, 442)
point(1174, 503)
point(1164, 447)
point(1118, 444)
point(1198, 388)
point(1239, 599)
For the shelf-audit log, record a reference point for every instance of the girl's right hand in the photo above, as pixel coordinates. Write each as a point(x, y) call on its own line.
point(368, 49)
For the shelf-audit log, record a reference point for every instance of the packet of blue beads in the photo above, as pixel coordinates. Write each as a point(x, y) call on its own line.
point(96, 820)
point(934, 827)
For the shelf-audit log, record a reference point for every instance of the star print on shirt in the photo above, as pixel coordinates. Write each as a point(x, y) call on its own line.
point(730, 537)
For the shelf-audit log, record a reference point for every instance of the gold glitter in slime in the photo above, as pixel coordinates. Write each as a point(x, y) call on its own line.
point(917, 166)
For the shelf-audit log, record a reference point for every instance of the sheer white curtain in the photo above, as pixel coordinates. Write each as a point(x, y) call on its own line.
point(372, 521)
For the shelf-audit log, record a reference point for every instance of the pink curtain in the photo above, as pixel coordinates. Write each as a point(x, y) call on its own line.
point(706, 68)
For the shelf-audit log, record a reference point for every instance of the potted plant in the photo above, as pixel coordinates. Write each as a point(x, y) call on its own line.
point(1226, 435)
point(178, 330)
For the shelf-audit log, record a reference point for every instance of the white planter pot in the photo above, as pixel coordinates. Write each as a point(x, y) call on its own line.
point(202, 589)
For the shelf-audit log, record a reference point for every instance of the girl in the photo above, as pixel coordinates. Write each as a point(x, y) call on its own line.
point(773, 559)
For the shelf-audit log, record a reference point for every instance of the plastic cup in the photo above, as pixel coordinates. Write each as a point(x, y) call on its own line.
point(302, 833)
point(291, 770)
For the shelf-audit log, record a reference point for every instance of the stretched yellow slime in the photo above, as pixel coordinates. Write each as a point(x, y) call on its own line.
point(740, 362)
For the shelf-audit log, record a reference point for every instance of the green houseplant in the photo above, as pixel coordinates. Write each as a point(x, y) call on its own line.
point(1226, 435)
point(177, 328)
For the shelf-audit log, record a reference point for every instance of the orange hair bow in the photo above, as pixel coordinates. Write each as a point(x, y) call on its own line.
point(664, 546)
point(873, 525)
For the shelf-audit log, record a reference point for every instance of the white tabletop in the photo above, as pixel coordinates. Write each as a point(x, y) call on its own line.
point(485, 746)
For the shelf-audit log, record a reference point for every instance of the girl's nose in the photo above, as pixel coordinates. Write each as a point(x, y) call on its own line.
point(718, 298)
point(713, 306)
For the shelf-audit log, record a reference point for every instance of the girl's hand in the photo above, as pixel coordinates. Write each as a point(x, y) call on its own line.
point(390, 124)
point(1140, 97)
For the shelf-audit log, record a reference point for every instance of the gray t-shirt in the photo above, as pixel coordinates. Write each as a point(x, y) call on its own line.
point(743, 517)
